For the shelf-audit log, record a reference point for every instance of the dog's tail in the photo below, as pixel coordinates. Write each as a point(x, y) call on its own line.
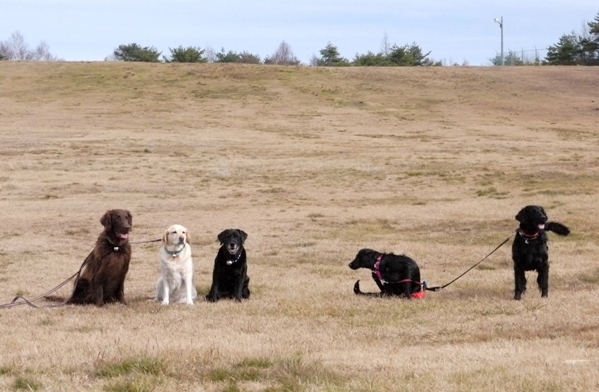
point(557, 228)
point(357, 291)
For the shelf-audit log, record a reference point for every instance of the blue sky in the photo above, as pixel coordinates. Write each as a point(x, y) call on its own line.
point(454, 31)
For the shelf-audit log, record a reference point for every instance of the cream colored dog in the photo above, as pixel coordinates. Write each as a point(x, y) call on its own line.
point(176, 267)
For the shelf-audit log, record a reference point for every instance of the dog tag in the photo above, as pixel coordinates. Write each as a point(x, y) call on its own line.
point(229, 262)
point(116, 248)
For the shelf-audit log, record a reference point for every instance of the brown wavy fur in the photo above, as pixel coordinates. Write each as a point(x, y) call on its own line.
point(102, 280)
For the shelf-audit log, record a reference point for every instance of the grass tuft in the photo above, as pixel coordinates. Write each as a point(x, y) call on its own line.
point(26, 384)
point(142, 365)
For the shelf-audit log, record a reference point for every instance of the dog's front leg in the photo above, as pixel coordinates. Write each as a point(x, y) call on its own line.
point(543, 281)
point(520, 282)
point(166, 291)
point(213, 294)
point(98, 293)
point(188, 287)
point(378, 282)
point(120, 294)
point(239, 287)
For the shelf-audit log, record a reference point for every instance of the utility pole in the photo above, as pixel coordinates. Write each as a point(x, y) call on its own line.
point(500, 21)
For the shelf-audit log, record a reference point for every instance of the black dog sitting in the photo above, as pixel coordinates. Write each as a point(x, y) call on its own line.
point(395, 275)
point(529, 250)
point(229, 277)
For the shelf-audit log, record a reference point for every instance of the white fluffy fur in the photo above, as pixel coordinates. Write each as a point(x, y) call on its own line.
point(175, 284)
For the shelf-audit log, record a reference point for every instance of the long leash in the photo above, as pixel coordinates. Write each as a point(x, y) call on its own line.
point(437, 288)
point(20, 300)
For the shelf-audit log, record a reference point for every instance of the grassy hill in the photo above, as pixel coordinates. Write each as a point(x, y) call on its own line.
point(314, 164)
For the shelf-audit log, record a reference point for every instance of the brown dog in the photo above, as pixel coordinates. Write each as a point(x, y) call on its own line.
point(102, 280)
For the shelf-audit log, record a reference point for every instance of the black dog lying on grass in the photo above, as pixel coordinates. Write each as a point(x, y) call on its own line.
point(395, 275)
point(529, 250)
point(229, 277)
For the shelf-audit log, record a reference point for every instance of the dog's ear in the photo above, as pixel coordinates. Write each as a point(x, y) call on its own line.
point(543, 212)
point(129, 218)
point(165, 236)
point(187, 237)
point(106, 220)
point(520, 216)
point(221, 236)
point(371, 254)
point(243, 235)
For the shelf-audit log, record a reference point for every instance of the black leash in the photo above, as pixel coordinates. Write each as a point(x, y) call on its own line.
point(437, 288)
point(20, 300)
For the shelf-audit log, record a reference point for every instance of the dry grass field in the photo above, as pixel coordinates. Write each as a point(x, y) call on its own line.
point(314, 164)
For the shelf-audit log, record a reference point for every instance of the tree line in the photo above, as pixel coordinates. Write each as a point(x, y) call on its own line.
point(391, 55)
point(577, 49)
point(571, 49)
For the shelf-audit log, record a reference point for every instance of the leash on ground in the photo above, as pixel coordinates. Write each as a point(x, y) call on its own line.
point(20, 300)
point(438, 288)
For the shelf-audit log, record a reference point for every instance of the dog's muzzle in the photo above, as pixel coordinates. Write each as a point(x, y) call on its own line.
point(232, 248)
point(124, 234)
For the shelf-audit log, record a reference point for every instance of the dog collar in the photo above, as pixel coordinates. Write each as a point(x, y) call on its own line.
point(175, 253)
point(229, 262)
point(528, 237)
point(115, 247)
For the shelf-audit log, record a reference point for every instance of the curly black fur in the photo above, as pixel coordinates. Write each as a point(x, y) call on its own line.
point(530, 250)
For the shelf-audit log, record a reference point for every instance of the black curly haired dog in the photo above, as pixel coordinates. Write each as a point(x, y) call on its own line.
point(395, 275)
point(529, 250)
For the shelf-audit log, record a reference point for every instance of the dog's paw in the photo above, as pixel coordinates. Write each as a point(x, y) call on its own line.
point(210, 299)
point(164, 302)
point(357, 287)
point(189, 303)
